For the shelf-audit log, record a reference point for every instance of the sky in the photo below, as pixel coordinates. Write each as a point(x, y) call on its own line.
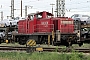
point(71, 6)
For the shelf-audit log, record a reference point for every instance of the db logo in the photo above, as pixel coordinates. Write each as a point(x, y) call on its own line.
point(45, 23)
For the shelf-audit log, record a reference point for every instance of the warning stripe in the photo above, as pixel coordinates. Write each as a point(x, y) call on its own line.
point(32, 43)
point(29, 42)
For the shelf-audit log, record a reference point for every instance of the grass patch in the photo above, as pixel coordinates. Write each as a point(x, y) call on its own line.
point(41, 56)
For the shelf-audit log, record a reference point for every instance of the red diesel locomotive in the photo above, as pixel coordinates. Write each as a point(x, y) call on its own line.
point(38, 26)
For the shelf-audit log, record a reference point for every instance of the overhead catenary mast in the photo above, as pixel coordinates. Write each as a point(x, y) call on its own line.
point(26, 8)
point(12, 9)
point(21, 8)
point(1, 15)
point(25, 11)
point(60, 8)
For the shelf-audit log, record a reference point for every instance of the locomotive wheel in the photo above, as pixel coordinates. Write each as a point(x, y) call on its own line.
point(80, 44)
point(21, 43)
point(68, 44)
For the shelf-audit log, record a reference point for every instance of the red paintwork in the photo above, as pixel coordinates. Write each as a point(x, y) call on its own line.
point(45, 24)
point(22, 26)
point(65, 27)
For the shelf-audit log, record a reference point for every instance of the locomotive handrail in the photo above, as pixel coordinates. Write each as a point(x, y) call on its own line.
point(64, 30)
point(41, 28)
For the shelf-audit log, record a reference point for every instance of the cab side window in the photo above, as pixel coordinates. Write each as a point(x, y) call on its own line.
point(38, 16)
point(31, 17)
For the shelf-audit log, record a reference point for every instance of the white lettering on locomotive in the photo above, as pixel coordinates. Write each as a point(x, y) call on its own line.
point(66, 22)
point(45, 23)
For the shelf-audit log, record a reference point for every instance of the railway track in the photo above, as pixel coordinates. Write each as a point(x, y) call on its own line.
point(12, 48)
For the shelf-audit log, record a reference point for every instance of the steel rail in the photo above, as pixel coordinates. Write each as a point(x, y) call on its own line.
point(10, 48)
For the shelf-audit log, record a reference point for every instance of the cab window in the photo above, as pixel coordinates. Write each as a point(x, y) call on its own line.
point(38, 16)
